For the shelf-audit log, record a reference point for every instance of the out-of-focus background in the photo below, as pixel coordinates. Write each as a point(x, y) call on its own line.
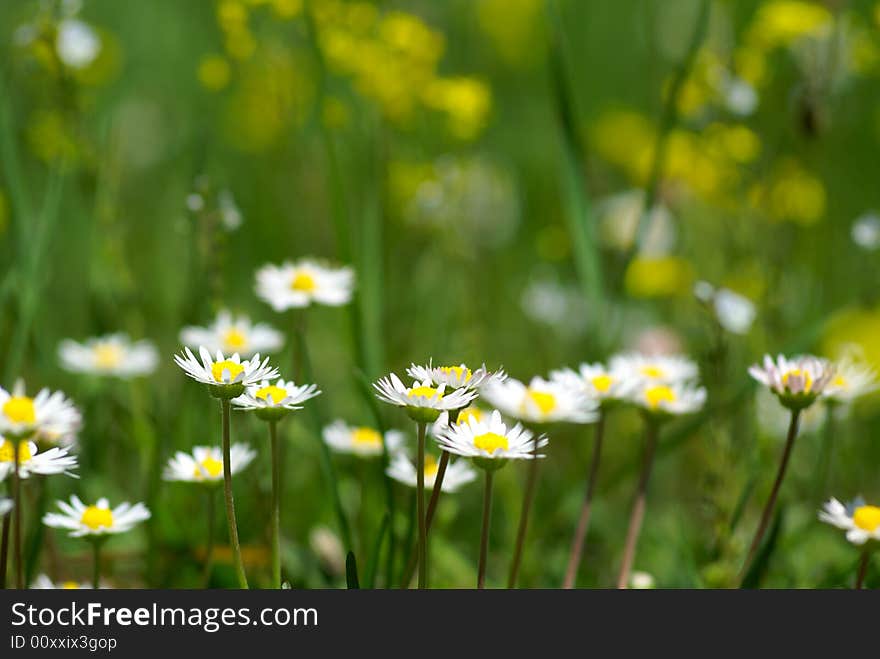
point(529, 183)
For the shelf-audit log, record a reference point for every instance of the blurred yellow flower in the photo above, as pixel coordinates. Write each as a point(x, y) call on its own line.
point(287, 9)
point(792, 194)
point(51, 138)
point(851, 327)
point(232, 15)
point(511, 26)
point(625, 138)
point(750, 64)
point(658, 276)
point(466, 101)
point(782, 22)
point(214, 72)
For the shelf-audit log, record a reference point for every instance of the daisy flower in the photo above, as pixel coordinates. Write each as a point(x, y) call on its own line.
point(114, 354)
point(205, 464)
point(797, 382)
point(360, 440)
point(851, 380)
point(860, 521)
point(273, 401)
point(458, 473)
point(668, 399)
point(642, 581)
point(231, 334)
point(597, 382)
point(226, 377)
point(297, 285)
point(49, 414)
point(423, 400)
point(490, 442)
point(663, 369)
point(42, 582)
point(541, 401)
point(97, 519)
point(32, 462)
point(455, 377)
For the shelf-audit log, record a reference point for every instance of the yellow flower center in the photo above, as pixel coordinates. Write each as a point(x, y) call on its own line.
point(841, 382)
point(107, 355)
point(213, 468)
point(20, 409)
point(234, 369)
point(470, 414)
point(277, 393)
point(234, 340)
point(95, 518)
point(427, 392)
point(7, 455)
point(654, 372)
point(431, 467)
point(656, 395)
point(797, 373)
point(366, 437)
point(867, 518)
point(303, 282)
point(490, 442)
point(602, 383)
point(70, 585)
point(546, 402)
point(460, 373)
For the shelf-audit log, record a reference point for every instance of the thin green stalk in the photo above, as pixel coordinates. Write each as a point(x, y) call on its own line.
point(826, 453)
point(863, 568)
point(96, 563)
point(638, 511)
point(370, 579)
point(774, 493)
point(230, 503)
point(34, 544)
point(420, 509)
point(528, 499)
point(209, 544)
point(484, 533)
point(4, 549)
point(577, 543)
point(429, 516)
point(276, 505)
point(16, 539)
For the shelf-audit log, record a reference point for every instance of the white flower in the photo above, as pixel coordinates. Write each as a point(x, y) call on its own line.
point(360, 440)
point(77, 43)
point(620, 217)
point(739, 96)
point(48, 414)
point(295, 285)
point(31, 462)
point(423, 401)
point(541, 401)
point(490, 440)
point(220, 372)
point(272, 401)
point(851, 380)
point(455, 377)
point(230, 213)
point(113, 354)
point(5, 506)
point(42, 582)
point(97, 519)
point(861, 522)
point(657, 369)
point(866, 231)
point(734, 312)
point(230, 334)
point(668, 399)
point(595, 380)
point(205, 463)
point(641, 581)
point(797, 382)
point(458, 472)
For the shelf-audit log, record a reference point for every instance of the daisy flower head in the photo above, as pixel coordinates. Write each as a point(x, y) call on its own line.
point(465, 415)
point(49, 415)
point(490, 442)
point(797, 382)
point(33, 462)
point(423, 401)
point(851, 380)
point(455, 377)
point(299, 284)
point(205, 464)
point(113, 355)
point(596, 380)
point(271, 402)
point(541, 401)
point(233, 334)
point(226, 377)
point(634, 367)
point(42, 582)
point(664, 400)
point(96, 520)
point(458, 472)
point(860, 521)
point(362, 441)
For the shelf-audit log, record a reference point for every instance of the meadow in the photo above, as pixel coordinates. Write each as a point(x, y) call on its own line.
point(529, 185)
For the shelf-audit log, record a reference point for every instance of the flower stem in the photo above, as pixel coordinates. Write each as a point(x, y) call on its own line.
point(4, 550)
point(230, 503)
point(528, 498)
point(429, 516)
point(209, 544)
point(863, 568)
point(276, 505)
point(638, 510)
point(577, 543)
point(420, 509)
point(16, 538)
point(774, 493)
point(484, 535)
point(96, 562)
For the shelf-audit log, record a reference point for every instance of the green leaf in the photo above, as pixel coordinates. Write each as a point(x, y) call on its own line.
point(351, 572)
